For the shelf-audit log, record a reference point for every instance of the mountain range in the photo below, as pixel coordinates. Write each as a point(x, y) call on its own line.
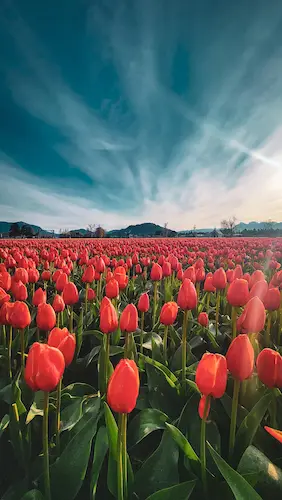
point(144, 229)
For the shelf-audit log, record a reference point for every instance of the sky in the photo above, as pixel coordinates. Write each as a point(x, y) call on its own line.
point(129, 111)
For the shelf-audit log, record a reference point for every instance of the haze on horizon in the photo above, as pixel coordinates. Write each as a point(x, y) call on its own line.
point(119, 113)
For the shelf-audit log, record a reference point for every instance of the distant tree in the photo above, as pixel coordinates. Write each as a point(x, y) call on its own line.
point(15, 230)
point(228, 226)
point(214, 233)
point(27, 231)
point(100, 232)
point(268, 225)
point(91, 228)
point(165, 229)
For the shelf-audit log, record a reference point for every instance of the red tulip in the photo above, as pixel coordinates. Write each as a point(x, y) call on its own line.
point(190, 274)
point(44, 367)
point(5, 281)
point(274, 433)
point(70, 294)
point(187, 296)
point(91, 294)
point(166, 269)
point(252, 319)
point(123, 388)
point(58, 304)
point(168, 313)
point(108, 316)
point(46, 317)
point(5, 310)
point(46, 275)
point(259, 289)
point(272, 299)
point(143, 303)
point(19, 315)
point(4, 297)
point(64, 341)
point(19, 290)
point(39, 297)
point(112, 289)
point(208, 286)
point(269, 368)
point(156, 272)
point(61, 282)
point(21, 274)
point(240, 358)
point(89, 274)
point(129, 319)
point(219, 280)
point(203, 319)
point(201, 407)
point(238, 293)
point(211, 375)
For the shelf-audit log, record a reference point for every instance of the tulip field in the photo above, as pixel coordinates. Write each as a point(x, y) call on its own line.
point(141, 369)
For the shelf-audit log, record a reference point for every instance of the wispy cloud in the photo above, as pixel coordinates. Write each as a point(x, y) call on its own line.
point(183, 158)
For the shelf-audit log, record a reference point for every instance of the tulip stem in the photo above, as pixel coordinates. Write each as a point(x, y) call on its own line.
point(268, 328)
point(142, 332)
point(155, 302)
point(4, 336)
point(58, 320)
point(120, 474)
point(208, 302)
point(203, 446)
point(46, 447)
point(71, 319)
point(86, 296)
point(22, 348)
point(217, 310)
point(124, 452)
point(236, 390)
point(234, 322)
point(165, 342)
point(107, 361)
point(58, 416)
point(184, 346)
point(10, 340)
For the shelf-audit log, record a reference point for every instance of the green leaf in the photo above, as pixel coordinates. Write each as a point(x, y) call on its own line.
point(180, 491)
point(112, 430)
point(164, 369)
point(68, 472)
point(79, 334)
point(6, 394)
point(183, 444)
point(100, 450)
point(71, 414)
point(269, 476)
point(144, 423)
point(33, 495)
point(77, 390)
point(249, 426)
point(241, 489)
point(163, 394)
point(160, 470)
point(99, 335)
point(4, 423)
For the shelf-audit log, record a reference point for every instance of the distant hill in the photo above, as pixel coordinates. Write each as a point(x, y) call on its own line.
point(5, 228)
point(256, 225)
point(145, 229)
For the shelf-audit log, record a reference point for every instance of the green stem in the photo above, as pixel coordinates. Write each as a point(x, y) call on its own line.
point(203, 446)
point(127, 353)
point(236, 390)
point(184, 346)
point(58, 320)
point(17, 419)
point(86, 296)
point(107, 361)
point(120, 475)
point(234, 322)
point(46, 447)
point(10, 340)
point(58, 416)
point(268, 328)
point(208, 302)
point(165, 342)
point(37, 335)
point(217, 310)
point(124, 453)
point(4, 336)
point(142, 332)
point(155, 302)
point(22, 348)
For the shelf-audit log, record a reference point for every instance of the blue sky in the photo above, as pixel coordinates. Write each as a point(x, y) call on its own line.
point(127, 111)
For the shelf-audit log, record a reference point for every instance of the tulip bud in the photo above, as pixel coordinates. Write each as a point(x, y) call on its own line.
point(4, 297)
point(58, 304)
point(88, 275)
point(19, 315)
point(190, 274)
point(5, 281)
point(64, 341)
point(252, 319)
point(166, 269)
point(168, 313)
point(112, 289)
point(46, 275)
point(238, 293)
point(240, 358)
point(61, 282)
point(19, 290)
point(129, 319)
point(143, 303)
point(46, 317)
point(274, 433)
point(108, 316)
point(39, 297)
point(187, 296)
point(123, 387)
point(201, 407)
point(91, 294)
point(203, 319)
point(44, 367)
point(70, 294)
point(156, 272)
point(211, 375)
point(219, 280)
point(208, 286)
point(269, 368)
point(21, 274)
point(272, 299)
point(259, 289)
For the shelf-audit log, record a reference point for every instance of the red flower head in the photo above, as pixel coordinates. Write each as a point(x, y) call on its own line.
point(44, 367)
point(70, 294)
point(129, 319)
point(156, 272)
point(91, 294)
point(123, 388)
point(112, 289)
point(89, 274)
point(274, 433)
point(238, 293)
point(39, 297)
point(168, 313)
point(61, 282)
point(5, 310)
point(108, 316)
point(259, 289)
point(5, 281)
point(46, 317)
point(252, 319)
point(143, 303)
point(121, 277)
point(58, 304)
point(219, 280)
point(4, 297)
point(269, 368)
point(166, 269)
point(208, 286)
point(21, 274)
point(272, 299)
point(19, 290)
point(187, 296)
point(190, 274)
point(46, 275)
point(211, 375)
point(19, 315)
point(203, 319)
point(64, 341)
point(240, 358)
